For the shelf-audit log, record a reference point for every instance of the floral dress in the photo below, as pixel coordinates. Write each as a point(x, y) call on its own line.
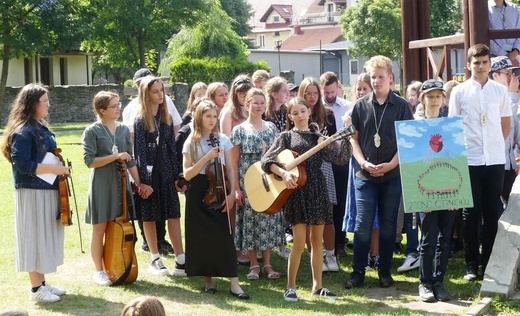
point(310, 204)
point(254, 230)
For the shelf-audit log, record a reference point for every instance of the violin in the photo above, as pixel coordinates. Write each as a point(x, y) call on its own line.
point(218, 185)
point(119, 259)
point(64, 190)
point(65, 213)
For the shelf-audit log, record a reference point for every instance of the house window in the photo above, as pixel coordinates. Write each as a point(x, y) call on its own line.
point(45, 71)
point(27, 70)
point(276, 19)
point(354, 68)
point(330, 12)
point(261, 41)
point(63, 72)
point(276, 34)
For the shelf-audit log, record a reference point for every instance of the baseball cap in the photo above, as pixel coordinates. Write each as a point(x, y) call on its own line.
point(500, 63)
point(141, 73)
point(430, 85)
point(292, 86)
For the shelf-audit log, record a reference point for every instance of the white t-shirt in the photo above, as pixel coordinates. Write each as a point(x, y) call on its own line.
point(205, 146)
point(131, 110)
point(340, 108)
point(482, 109)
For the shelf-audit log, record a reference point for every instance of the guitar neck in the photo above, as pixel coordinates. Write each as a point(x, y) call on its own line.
point(309, 153)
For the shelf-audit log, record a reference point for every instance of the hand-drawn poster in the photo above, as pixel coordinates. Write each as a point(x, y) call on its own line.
point(433, 163)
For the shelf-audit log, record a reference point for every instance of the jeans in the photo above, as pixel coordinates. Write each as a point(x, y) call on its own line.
point(435, 249)
point(412, 234)
point(383, 197)
point(486, 186)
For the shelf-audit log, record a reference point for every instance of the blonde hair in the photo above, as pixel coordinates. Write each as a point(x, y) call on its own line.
point(293, 102)
point(364, 77)
point(190, 107)
point(260, 75)
point(203, 105)
point(319, 109)
point(145, 107)
point(448, 86)
point(144, 306)
point(413, 86)
point(252, 92)
point(379, 61)
point(102, 100)
point(212, 89)
point(274, 84)
point(22, 112)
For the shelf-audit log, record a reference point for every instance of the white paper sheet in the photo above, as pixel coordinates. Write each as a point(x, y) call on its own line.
point(49, 159)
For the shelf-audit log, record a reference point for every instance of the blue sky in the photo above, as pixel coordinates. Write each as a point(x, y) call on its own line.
point(413, 138)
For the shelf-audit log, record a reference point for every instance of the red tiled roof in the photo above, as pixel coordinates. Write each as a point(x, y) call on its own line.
point(285, 12)
point(311, 37)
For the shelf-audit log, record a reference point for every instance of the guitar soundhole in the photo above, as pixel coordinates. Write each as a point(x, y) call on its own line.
point(129, 237)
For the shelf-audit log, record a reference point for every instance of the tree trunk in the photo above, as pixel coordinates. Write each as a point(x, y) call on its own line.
point(3, 76)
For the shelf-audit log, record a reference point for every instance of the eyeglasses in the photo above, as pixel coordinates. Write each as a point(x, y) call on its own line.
point(114, 106)
point(241, 94)
point(508, 73)
point(312, 94)
point(431, 84)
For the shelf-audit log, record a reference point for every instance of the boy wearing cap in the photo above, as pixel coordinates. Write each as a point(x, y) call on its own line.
point(436, 227)
point(502, 72)
point(485, 108)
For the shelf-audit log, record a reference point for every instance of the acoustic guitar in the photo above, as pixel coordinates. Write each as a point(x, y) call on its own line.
point(119, 259)
point(267, 193)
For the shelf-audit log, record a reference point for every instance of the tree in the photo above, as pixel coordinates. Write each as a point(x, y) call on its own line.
point(240, 11)
point(123, 31)
point(445, 17)
point(37, 27)
point(374, 27)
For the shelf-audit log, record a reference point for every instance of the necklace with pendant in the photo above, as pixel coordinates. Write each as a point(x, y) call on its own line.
point(114, 146)
point(377, 138)
point(157, 125)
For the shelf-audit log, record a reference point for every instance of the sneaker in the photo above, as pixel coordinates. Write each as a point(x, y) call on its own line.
point(284, 253)
point(330, 264)
point(43, 295)
point(426, 293)
point(324, 292)
point(101, 278)
point(373, 262)
point(165, 248)
point(289, 237)
point(179, 270)
point(145, 247)
point(355, 279)
point(290, 295)
point(470, 274)
point(411, 262)
point(385, 278)
point(440, 293)
point(55, 290)
point(157, 267)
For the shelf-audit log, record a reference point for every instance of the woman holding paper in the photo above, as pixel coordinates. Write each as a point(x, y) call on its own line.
point(38, 234)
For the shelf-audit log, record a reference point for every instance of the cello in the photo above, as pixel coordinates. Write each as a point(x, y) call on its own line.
point(119, 259)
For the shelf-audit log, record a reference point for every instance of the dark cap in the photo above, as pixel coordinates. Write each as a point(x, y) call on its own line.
point(501, 63)
point(430, 85)
point(291, 87)
point(141, 73)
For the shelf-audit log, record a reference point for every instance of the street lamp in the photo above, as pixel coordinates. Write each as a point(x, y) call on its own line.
point(278, 44)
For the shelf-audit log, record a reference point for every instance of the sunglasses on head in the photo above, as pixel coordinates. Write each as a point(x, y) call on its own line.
point(432, 84)
point(242, 81)
point(154, 81)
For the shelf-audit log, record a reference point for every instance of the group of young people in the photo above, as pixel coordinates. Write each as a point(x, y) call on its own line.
point(254, 125)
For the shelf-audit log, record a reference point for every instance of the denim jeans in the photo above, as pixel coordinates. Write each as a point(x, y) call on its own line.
point(412, 234)
point(436, 228)
point(383, 197)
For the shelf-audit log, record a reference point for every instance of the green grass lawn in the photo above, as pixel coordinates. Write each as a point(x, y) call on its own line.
point(182, 296)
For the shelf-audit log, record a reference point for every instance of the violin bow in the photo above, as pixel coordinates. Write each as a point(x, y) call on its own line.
point(224, 184)
point(76, 206)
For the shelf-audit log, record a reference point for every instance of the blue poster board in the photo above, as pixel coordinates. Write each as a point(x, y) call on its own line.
point(433, 164)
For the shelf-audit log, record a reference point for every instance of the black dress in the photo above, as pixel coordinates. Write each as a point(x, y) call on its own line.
point(164, 203)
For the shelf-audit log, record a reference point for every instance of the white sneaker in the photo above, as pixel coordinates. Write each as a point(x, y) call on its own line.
point(330, 264)
point(43, 295)
point(284, 253)
point(55, 290)
point(289, 238)
point(180, 270)
point(411, 262)
point(157, 267)
point(101, 278)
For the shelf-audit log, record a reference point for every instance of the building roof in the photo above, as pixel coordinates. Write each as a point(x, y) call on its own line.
point(285, 11)
point(299, 7)
point(310, 37)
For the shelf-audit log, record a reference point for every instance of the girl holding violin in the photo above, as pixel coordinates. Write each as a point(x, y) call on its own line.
point(210, 249)
point(103, 143)
point(38, 232)
point(154, 144)
point(255, 231)
point(308, 206)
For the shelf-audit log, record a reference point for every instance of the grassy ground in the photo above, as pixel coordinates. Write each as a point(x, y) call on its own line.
point(182, 296)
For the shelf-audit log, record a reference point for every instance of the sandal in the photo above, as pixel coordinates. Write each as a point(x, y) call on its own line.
point(253, 275)
point(273, 275)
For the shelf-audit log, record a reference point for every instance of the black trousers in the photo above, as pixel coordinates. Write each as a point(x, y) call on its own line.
point(486, 187)
point(338, 210)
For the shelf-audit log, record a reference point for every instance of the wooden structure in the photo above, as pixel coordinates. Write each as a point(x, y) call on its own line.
point(418, 57)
